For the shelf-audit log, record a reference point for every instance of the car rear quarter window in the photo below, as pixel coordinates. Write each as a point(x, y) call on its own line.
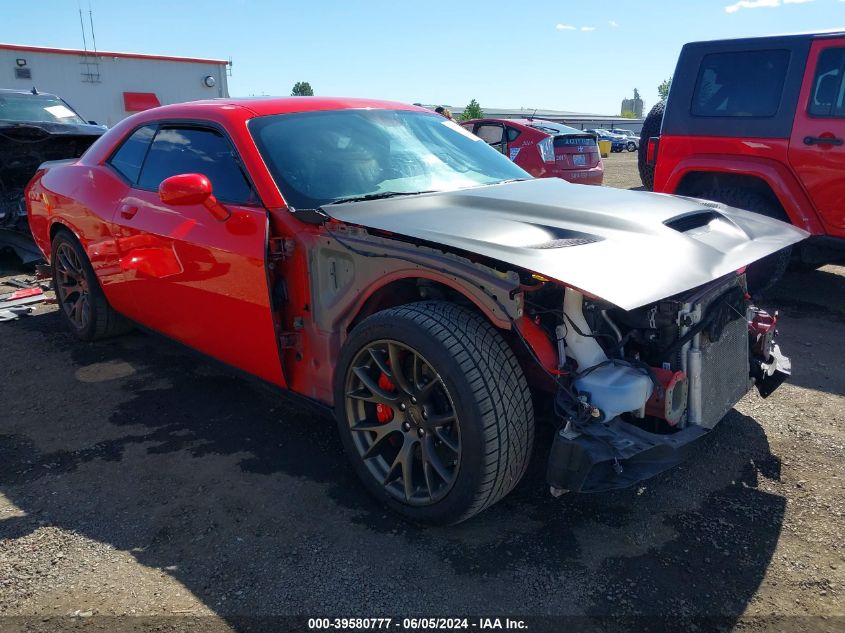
point(740, 84)
point(513, 134)
point(827, 97)
point(129, 157)
point(491, 133)
point(184, 150)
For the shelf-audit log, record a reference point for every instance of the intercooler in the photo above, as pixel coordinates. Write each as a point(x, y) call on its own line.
point(720, 354)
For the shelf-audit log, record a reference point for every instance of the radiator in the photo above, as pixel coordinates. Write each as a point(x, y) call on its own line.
point(724, 372)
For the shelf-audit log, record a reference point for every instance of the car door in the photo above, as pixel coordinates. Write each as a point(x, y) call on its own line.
point(493, 134)
point(817, 144)
point(193, 277)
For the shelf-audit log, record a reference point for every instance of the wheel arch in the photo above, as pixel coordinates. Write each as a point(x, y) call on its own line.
point(767, 178)
point(519, 333)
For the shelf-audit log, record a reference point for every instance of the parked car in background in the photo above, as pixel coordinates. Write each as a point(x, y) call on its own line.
point(617, 143)
point(543, 148)
point(632, 141)
point(34, 128)
point(758, 123)
point(386, 264)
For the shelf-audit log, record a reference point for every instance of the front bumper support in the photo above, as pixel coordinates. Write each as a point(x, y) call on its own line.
point(614, 455)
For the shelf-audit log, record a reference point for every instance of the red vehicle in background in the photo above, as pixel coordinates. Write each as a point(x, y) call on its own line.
point(543, 148)
point(758, 124)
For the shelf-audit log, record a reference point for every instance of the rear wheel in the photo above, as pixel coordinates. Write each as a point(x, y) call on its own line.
point(434, 411)
point(631, 146)
point(764, 274)
point(82, 304)
point(651, 127)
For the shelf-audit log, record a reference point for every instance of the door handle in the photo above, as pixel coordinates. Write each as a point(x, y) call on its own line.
point(822, 140)
point(128, 211)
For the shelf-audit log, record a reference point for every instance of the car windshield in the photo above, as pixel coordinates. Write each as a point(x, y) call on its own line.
point(321, 157)
point(35, 108)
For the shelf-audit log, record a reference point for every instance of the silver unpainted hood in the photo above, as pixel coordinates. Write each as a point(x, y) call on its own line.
point(611, 243)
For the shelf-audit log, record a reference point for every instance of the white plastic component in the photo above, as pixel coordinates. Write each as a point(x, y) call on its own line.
point(585, 350)
point(614, 389)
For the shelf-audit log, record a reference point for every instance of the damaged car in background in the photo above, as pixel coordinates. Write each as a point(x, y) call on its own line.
point(34, 128)
point(382, 261)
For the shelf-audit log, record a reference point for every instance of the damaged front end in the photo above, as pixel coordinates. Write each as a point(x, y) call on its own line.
point(637, 388)
point(24, 146)
point(644, 296)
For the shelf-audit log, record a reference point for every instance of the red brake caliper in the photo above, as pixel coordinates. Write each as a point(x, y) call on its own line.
point(383, 412)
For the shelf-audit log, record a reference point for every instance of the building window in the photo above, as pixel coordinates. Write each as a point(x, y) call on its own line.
point(23, 73)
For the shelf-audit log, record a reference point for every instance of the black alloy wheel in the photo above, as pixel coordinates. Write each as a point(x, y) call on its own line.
point(433, 410)
point(83, 306)
point(72, 289)
point(403, 422)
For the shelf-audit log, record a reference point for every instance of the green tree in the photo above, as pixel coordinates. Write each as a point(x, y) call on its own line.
point(472, 111)
point(663, 89)
point(628, 114)
point(302, 89)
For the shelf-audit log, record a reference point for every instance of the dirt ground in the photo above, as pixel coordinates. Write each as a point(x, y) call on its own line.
point(138, 480)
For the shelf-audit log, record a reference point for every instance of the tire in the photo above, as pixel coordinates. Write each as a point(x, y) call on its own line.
point(651, 127)
point(82, 304)
point(631, 146)
point(473, 378)
point(764, 274)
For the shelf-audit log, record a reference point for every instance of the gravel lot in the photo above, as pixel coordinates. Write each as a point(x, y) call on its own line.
point(136, 479)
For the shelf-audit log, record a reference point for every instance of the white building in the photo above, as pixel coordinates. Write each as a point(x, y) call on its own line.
point(107, 87)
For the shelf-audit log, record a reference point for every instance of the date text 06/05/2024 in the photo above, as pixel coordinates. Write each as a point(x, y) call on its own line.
point(434, 624)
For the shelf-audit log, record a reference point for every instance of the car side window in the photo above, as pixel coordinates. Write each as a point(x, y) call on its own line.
point(187, 150)
point(513, 134)
point(740, 84)
point(490, 133)
point(129, 157)
point(827, 96)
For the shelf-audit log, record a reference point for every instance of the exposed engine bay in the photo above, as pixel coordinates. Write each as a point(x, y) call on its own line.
point(635, 387)
point(23, 148)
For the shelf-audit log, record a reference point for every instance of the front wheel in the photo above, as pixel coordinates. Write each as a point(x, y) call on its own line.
point(632, 147)
point(434, 411)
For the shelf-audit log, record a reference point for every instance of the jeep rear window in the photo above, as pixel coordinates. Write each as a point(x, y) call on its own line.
point(740, 84)
point(828, 92)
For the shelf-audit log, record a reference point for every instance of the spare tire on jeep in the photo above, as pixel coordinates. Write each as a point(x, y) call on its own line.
point(651, 127)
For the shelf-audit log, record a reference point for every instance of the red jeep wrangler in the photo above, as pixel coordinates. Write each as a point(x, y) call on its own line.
point(758, 124)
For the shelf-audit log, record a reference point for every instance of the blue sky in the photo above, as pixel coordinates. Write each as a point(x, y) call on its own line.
point(565, 54)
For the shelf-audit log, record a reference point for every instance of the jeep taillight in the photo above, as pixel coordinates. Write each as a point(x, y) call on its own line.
point(547, 149)
point(651, 150)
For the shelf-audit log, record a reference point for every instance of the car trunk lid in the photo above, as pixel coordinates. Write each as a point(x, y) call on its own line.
point(576, 151)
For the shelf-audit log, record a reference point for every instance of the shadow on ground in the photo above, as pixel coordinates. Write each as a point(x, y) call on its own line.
point(247, 500)
point(249, 503)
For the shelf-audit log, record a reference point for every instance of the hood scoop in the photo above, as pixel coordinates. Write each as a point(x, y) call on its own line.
point(562, 238)
point(691, 221)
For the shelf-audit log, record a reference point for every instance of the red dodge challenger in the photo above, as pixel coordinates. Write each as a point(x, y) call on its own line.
point(385, 262)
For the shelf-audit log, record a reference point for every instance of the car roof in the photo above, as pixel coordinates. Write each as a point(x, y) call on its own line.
point(264, 106)
point(27, 92)
point(757, 39)
point(534, 124)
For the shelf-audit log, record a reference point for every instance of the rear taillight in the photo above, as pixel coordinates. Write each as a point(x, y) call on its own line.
point(547, 149)
point(651, 151)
